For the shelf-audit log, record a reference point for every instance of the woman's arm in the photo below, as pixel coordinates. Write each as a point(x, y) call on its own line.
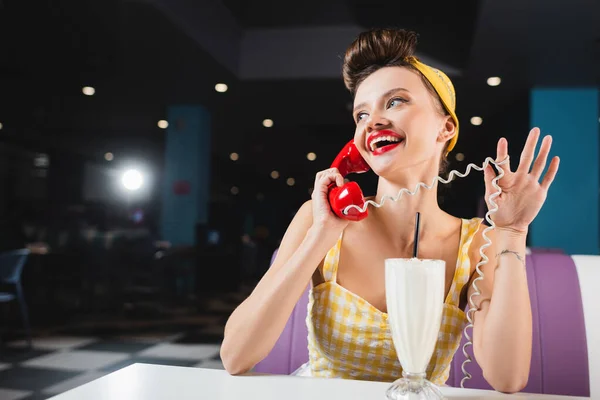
point(254, 327)
point(502, 332)
point(502, 326)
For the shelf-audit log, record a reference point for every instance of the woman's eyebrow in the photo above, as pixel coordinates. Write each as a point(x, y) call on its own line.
point(386, 94)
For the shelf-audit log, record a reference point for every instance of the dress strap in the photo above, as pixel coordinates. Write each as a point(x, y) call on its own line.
point(469, 229)
point(330, 265)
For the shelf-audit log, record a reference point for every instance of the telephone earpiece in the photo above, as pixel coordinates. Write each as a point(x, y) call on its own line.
point(348, 161)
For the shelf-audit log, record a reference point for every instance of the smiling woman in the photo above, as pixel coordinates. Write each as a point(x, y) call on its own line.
point(386, 48)
point(406, 125)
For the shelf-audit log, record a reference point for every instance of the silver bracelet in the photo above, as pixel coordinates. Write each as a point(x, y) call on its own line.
point(512, 252)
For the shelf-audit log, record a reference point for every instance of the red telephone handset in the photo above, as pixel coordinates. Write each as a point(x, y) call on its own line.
point(348, 161)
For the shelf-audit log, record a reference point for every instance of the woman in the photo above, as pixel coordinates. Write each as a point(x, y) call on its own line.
point(413, 105)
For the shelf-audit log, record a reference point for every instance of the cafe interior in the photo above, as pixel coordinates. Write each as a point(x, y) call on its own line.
point(154, 152)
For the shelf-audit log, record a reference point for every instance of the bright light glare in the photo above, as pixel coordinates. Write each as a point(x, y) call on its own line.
point(132, 179)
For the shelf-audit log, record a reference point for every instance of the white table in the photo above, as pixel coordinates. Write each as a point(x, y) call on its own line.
point(159, 382)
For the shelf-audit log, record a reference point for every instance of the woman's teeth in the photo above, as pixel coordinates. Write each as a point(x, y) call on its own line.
point(392, 139)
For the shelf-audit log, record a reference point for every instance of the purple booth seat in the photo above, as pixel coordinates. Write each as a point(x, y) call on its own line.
point(291, 349)
point(559, 363)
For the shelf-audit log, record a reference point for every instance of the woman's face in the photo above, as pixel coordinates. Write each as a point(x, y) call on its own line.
point(398, 123)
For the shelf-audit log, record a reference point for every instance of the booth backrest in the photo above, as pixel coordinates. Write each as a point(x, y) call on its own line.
point(565, 300)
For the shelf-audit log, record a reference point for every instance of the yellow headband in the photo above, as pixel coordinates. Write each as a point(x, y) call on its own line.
point(444, 88)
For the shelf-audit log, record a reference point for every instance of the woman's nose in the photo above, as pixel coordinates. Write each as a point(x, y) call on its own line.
point(376, 121)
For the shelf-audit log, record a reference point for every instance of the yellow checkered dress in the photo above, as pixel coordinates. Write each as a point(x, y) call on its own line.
point(349, 338)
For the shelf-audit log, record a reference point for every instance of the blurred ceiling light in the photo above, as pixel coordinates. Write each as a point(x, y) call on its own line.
point(235, 190)
point(162, 124)
point(221, 87)
point(494, 81)
point(460, 156)
point(109, 156)
point(274, 174)
point(291, 181)
point(267, 123)
point(234, 156)
point(0, 125)
point(88, 90)
point(477, 120)
point(311, 156)
point(132, 179)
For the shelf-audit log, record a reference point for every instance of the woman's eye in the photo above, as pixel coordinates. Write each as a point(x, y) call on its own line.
point(396, 101)
point(360, 116)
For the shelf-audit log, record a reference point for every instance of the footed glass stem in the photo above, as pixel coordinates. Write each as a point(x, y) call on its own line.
point(413, 387)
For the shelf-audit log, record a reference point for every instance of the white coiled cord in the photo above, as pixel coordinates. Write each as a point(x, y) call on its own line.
point(488, 242)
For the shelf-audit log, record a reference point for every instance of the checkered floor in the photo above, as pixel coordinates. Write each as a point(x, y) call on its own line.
point(57, 364)
point(65, 357)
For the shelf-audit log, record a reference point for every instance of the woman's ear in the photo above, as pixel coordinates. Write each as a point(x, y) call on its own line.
point(448, 130)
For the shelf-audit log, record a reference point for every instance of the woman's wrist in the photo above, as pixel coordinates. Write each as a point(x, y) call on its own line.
point(510, 231)
point(520, 257)
point(322, 234)
point(511, 243)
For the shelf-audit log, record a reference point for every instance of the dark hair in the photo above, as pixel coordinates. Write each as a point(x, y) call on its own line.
point(380, 48)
